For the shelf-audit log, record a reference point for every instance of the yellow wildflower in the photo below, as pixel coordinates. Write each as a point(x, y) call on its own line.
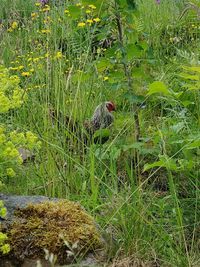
point(78, 4)
point(96, 19)
point(25, 74)
point(81, 24)
point(58, 55)
point(33, 15)
point(88, 11)
point(36, 59)
point(45, 31)
point(105, 78)
point(46, 8)
point(20, 67)
point(9, 30)
point(90, 21)
point(14, 25)
point(66, 11)
point(92, 6)
point(38, 4)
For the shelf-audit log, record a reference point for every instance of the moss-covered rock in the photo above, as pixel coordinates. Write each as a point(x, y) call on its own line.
point(62, 228)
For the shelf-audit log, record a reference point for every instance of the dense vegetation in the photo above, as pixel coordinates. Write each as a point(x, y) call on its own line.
point(142, 185)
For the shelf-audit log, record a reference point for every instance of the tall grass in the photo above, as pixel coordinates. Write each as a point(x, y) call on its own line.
point(154, 225)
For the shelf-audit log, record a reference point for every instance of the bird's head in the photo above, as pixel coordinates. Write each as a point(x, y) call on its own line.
point(110, 106)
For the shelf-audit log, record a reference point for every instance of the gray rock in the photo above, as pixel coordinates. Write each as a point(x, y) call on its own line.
point(14, 202)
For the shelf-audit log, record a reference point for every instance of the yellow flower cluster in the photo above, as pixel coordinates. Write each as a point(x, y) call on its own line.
point(58, 55)
point(10, 172)
point(13, 26)
point(26, 74)
point(88, 21)
point(11, 95)
point(34, 15)
point(46, 8)
point(32, 141)
point(46, 31)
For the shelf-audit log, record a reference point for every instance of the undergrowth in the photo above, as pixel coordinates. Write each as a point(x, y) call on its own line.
point(142, 186)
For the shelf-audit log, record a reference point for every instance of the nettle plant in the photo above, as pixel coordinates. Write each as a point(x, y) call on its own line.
point(11, 96)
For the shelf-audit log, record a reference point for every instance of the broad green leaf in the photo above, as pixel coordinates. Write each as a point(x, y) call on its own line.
point(103, 64)
point(158, 87)
point(133, 51)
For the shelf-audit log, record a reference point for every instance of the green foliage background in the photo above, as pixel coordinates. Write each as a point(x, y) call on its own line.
point(142, 186)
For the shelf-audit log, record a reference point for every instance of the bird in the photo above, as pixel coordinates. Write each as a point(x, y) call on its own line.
point(102, 118)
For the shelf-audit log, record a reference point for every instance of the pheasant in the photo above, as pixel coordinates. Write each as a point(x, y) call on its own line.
point(101, 119)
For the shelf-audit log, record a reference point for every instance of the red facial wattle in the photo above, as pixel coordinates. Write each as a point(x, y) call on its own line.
point(111, 106)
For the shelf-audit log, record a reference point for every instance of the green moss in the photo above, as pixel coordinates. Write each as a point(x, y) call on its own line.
point(52, 226)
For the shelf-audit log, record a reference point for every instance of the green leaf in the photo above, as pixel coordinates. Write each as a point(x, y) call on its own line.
point(75, 11)
point(193, 68)
point(194, 144)
point(189, 76)
point(187, 103)
point(158, 87)
point(164, 161)
point(133, 51)
point(133, 98)
point(102, 133)
point(103, 64)
point(138, 72)
point(153, 165)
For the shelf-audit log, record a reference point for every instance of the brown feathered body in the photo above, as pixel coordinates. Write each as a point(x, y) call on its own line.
point(101, 119)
